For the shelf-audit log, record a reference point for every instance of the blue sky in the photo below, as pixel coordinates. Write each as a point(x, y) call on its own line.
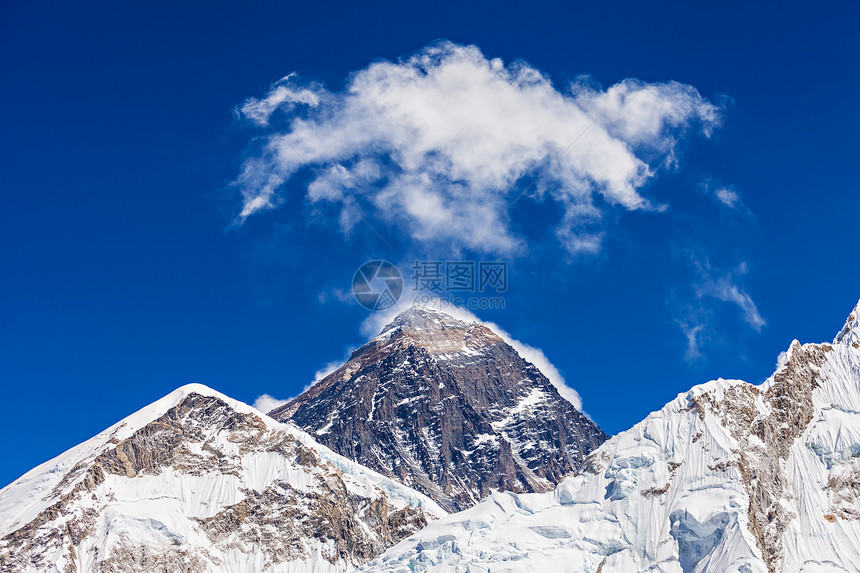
point(690, 236)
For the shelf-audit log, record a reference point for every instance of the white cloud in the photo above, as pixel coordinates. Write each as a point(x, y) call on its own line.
point(435, 144)
point(728, 197)
point(695, 311)
point(782, 359)
point(265, 403)
point(695, 332)
point(374, 324)
point(281, 95)
point(325, 371)
point(727, 288)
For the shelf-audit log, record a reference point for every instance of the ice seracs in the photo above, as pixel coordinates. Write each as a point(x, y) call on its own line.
point(727, 478)
point(200, 482)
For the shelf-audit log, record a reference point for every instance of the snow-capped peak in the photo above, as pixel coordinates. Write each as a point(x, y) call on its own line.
point(850, 333)
point(198, 481)
point(422, 320)
point(161, 406)
point(21, 500)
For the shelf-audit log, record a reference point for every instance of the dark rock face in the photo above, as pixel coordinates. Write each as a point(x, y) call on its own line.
point(449, 409)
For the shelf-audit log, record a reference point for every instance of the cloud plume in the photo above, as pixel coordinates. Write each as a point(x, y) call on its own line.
point(265, 403)
point(441, 143)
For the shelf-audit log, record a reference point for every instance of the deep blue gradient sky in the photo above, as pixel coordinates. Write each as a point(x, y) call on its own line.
point(121, 278)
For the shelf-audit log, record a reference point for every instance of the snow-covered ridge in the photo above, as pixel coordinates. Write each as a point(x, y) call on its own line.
point(727, 478)
point(21, 500)
point(203, 480)
point(850, 333)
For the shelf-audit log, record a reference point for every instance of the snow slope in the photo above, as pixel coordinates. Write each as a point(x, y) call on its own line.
point(200, 482)
point(727, 478)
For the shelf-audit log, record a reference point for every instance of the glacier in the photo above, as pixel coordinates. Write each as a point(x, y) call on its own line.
point(729, 477)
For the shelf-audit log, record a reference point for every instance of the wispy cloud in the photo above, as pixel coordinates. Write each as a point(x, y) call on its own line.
point(435, 145)
point(336, 294)
point(694, 330)
point(726, 195)
point(282, 95)
point(695, 310)
point(727, 286)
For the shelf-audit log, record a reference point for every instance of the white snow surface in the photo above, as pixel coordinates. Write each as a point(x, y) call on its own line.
point(668, 496)
point(160, 511)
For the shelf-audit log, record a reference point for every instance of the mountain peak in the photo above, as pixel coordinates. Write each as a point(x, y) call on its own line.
point(850, 333)
point(424, 319)
point(449, 408)
point(437, 332)
point(197, 481)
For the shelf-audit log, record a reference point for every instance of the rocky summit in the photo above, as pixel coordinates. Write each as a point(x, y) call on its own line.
point(448, 408)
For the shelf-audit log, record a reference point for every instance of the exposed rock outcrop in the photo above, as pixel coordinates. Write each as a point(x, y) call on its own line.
point(448, 408)
point(198, 482)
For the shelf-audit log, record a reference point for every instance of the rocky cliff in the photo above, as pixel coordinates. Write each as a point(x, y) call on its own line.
point(448, 408)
